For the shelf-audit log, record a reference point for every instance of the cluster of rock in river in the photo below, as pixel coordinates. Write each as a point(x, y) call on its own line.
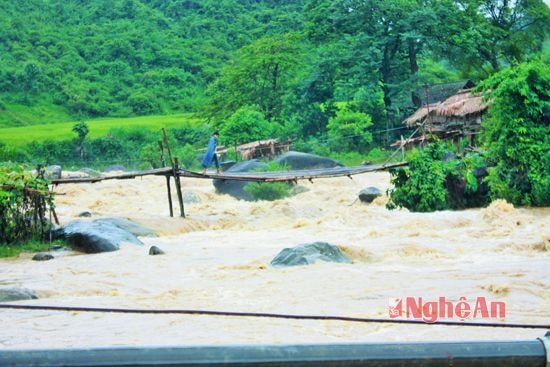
point(107, 234)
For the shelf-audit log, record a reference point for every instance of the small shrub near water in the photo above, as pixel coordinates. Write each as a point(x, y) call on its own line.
point(24, 201)
point(437, 180)
point(269, 190)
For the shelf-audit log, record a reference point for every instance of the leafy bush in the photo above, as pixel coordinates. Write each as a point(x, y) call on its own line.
point(245, 125)
point(377, 155)
point(516, 135)
point(192, 134)
point(312, 145)
point(188, 157)
point(12, 154)
point(437, 180)
point(53, 152)
point(348, 131)
point(143, 103)
point(24, 200)
point(348, 158)
point(269, 190)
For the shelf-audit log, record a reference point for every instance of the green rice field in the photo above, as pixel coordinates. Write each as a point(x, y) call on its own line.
point(23, 135)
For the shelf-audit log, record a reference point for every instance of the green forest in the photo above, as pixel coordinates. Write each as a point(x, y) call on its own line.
point(292, 61)
point(336, 77)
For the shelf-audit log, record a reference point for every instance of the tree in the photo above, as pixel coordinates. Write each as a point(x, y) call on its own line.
point(348, 131)
point(517, 134)
point(143, 103)
point(81, 129)
point(486, 35)
point(245, 125)
point(259, 75)
point(436, 179)
point(376, 41)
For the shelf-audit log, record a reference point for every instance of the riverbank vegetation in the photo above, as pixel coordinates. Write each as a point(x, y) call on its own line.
point(514, 158)
point(25, 203)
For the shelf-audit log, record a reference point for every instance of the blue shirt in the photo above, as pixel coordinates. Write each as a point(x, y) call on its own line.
point(210, 151)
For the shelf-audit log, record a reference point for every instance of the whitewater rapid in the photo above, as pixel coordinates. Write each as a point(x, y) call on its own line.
point(218, 259)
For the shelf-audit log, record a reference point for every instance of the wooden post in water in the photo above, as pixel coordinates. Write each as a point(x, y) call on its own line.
point(163, 163)
point(178, 187)
point(175, 169)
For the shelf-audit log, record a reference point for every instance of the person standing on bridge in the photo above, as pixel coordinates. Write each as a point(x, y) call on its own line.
point(211, 154)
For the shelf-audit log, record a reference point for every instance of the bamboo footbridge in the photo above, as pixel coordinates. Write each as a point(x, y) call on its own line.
point(176, 172)
point(281, 176)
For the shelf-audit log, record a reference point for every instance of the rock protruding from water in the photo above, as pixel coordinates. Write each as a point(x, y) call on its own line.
point(369, 194)
point(189, 197)
point(306, 254)
point(101, 235)
point(299, 160)
point(235, 188)
point(42, 256)
point(134, 228)
point(154, 250)
point(53, 172)
point(16, 294)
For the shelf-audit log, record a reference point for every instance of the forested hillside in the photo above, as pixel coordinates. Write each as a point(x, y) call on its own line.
point(308, 69)
point(120, 58)
point(292, 61)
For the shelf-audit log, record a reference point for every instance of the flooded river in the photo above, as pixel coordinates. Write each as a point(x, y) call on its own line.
point(218, 259)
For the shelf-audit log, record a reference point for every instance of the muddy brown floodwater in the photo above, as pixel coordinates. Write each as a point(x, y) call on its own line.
point(218, 259)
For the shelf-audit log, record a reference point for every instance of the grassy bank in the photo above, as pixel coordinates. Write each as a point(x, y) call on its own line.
point(32, 246)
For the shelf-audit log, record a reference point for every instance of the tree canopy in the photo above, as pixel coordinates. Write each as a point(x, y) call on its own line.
point(294, 60)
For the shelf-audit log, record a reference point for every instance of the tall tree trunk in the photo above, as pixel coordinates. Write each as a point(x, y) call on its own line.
point(390, 49)
point(416, 100)
point(385, 72)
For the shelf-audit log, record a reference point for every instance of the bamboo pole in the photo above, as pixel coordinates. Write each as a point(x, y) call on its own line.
point(174, 173)
point(178, 187)
point(168, 189)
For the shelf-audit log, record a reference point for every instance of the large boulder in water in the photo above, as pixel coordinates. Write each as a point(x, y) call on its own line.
point(53, 172)
point(154, 250)
point(16, 294)
point(127, 225)
point(235, 188)
point(102, 235)
point(42, 256)
point(299, 160)
point(306, 254)
point(369, 194)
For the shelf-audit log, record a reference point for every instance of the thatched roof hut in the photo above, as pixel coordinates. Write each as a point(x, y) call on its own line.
point(258, 149)
point(459, 113)
point(440, 92)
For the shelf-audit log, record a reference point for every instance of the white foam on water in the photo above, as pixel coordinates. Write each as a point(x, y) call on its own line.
point(218, 259)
